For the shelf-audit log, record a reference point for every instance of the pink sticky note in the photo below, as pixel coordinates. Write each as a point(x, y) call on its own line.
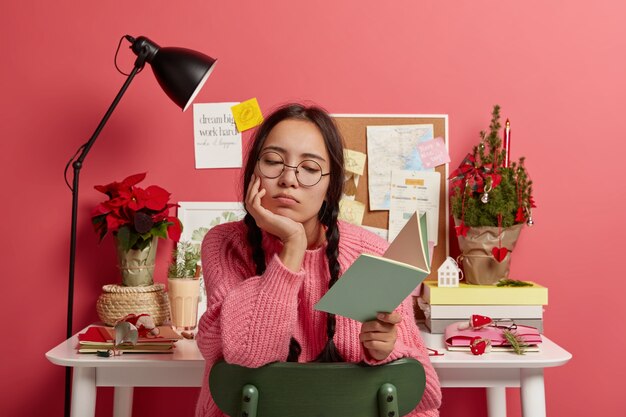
point(433, 153)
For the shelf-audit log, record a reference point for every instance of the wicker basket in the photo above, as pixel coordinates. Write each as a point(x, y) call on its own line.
point(117, 301)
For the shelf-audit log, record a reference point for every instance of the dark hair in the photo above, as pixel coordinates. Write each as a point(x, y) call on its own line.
point(328, 212)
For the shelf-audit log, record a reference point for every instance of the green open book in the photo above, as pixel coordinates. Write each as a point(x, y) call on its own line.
point(375, 284)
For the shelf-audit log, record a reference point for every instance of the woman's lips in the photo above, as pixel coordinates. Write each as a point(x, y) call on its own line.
point(285, 199)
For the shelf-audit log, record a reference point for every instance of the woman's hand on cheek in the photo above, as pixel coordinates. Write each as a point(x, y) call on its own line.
point(379, 336)
point(287, 230)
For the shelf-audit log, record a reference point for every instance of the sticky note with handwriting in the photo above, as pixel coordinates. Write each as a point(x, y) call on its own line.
point(433, 153)
point(247, 114)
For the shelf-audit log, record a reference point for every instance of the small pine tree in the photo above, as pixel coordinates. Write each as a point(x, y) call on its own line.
point(509, 189)
point(185, 257)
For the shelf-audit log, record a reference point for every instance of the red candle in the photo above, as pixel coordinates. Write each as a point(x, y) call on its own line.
point(507, 142)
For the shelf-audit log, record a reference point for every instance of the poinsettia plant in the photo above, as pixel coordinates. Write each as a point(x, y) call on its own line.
point(486, 189)
point(135, 215)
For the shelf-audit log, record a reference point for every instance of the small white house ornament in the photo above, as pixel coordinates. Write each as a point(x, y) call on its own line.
point(449, 274)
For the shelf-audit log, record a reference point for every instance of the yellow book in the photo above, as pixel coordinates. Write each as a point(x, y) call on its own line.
point(469, 294)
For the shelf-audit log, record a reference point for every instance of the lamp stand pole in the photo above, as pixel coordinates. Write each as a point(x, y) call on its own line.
point(77, 165)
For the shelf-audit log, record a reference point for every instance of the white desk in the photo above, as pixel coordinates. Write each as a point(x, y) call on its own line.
point(185, 368)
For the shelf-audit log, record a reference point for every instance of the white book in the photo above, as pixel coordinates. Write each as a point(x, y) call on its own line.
point(442, 311)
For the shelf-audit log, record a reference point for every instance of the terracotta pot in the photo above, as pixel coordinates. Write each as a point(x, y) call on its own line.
point(479, 264)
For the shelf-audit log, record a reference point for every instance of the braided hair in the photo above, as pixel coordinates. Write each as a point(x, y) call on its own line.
point(327, 215)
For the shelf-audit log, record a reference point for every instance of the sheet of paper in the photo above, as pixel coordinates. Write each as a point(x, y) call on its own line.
point(392, 147)
point(354, 161)
point(351, 211)
point(433, 153)
point(247, 114)
point(383, 233)
point(217, 141)
point(411, 191)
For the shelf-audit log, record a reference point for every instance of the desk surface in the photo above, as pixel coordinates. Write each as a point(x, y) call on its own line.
point(185, 368)
point(550, 354)
point(187, 355)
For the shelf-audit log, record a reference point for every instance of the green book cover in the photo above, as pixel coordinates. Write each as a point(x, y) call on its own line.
point(374, 284)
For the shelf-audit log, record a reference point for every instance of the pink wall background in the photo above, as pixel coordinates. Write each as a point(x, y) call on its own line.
point(557, 69)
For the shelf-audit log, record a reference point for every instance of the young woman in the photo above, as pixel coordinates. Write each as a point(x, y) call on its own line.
point(264, 274)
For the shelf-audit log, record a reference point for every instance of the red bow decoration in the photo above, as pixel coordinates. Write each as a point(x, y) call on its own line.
point(475, 176)
point(462, 229)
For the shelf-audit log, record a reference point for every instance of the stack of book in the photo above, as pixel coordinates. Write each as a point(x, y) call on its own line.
point(102, 338)
point(445, 305)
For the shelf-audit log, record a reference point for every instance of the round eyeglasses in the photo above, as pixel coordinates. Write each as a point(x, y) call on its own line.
point(308, 172)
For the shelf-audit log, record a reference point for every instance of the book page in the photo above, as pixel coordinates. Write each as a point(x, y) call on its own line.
point(411, 244)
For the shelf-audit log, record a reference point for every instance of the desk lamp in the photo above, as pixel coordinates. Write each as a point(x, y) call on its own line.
point(181, 74)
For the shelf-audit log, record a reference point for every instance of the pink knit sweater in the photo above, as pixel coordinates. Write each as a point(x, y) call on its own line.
point(251, 319)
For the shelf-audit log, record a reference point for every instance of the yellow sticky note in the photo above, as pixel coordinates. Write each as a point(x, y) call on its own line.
point(351, 211)
point(354, 161)
point(247, 114)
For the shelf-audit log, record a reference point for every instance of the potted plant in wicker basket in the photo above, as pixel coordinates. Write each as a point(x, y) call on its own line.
point(491, 200)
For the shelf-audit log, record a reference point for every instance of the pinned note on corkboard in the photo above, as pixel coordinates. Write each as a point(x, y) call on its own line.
point(353, 128)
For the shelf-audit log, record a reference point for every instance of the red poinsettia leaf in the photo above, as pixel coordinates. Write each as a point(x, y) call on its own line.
point(499, 253)
point(133, 180)
point(112, 190)
point(121, 200)
point(138, 199)
point(99, 210)
point(114, 222)
point(175, 228)
point(531, 200)
point(156, 197)
point(102, 188)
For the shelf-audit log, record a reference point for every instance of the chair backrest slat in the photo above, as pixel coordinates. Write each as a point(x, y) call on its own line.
point(317, 389)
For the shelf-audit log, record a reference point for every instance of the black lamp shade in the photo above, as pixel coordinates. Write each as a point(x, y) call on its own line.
point(181, 73)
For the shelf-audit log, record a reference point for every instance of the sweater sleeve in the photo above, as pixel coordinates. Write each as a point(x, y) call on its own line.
point(249, 319)
point(410, 344)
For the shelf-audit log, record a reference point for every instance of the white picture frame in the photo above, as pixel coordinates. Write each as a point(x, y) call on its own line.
point(197, 218)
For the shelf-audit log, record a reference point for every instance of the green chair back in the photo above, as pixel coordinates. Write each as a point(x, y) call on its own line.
point(287, 389)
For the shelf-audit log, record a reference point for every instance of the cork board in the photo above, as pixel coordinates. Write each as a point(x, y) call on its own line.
point(354, 131)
